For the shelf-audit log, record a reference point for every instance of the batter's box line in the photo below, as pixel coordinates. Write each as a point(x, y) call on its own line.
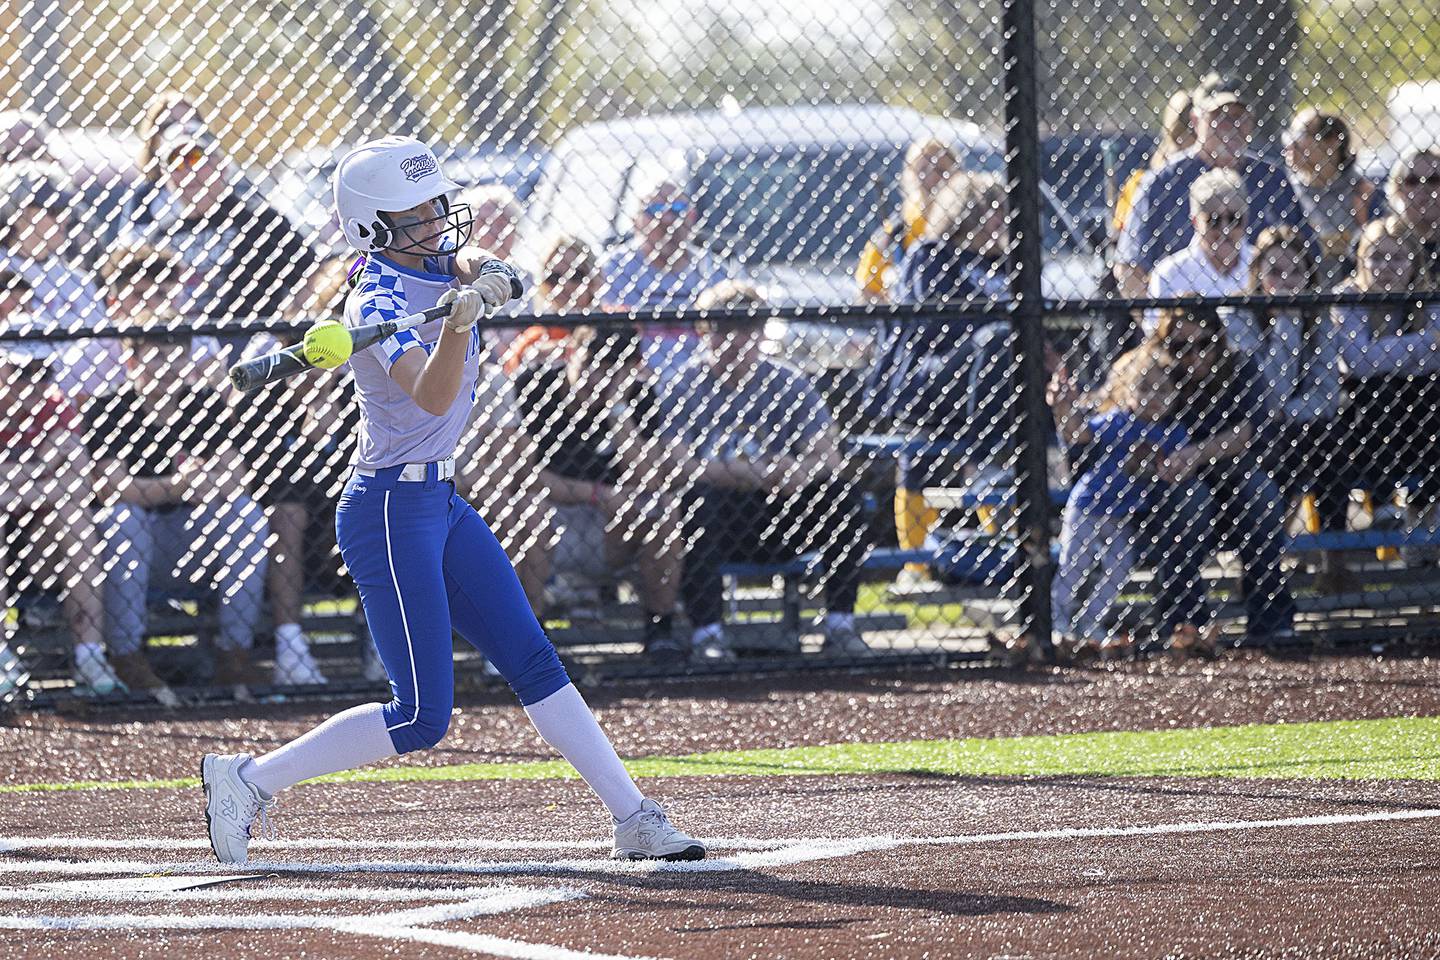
point(800, 851)
point(20, 843)
point(400, 925)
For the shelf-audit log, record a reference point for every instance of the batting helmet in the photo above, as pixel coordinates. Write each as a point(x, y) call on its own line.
point(385, 176)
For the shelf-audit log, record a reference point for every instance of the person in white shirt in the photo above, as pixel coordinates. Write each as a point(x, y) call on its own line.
point(1217, 261)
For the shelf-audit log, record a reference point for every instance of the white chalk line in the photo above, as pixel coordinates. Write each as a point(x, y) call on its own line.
point(489, 901)
point(487, 944)
point(798, 852)
point(16, 844)
point(793, 852)
point(1201, 826)
point(48, 893)
point(409, 924)
point(396, 925)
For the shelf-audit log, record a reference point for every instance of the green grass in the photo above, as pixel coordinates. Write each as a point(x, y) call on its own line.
point(1400, 748)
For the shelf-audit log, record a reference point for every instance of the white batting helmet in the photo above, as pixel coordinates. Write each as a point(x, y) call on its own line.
point(384, 177)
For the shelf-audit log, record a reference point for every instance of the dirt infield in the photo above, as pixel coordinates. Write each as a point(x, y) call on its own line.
point(879, 865)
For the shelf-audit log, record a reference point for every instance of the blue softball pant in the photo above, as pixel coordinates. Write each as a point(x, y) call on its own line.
point(424, 563)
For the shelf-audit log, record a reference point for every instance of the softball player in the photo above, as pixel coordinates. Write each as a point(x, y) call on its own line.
point(421, 557)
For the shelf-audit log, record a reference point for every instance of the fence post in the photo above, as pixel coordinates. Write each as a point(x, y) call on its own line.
point(1022, 158)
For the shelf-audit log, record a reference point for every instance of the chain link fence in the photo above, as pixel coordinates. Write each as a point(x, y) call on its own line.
point(776, 395)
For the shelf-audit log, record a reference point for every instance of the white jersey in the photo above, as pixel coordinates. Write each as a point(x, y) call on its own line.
point(393, 428)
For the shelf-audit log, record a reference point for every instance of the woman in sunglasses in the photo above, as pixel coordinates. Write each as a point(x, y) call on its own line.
point(244, 259)
point(149, 201)
point(1413, 192)
point(1216, 263)
point(1391, 361)
point(1222, 409)
point(661, 268)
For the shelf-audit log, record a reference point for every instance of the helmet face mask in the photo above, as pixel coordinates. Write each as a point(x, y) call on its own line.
point(432, 236)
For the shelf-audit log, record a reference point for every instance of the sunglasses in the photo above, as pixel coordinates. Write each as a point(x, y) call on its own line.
point(677, 207)
point(577, 274)
point(1196, 344)
point(1223, 220)
point(187, 159)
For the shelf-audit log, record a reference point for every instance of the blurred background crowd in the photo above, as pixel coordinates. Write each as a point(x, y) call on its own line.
point(643, 471)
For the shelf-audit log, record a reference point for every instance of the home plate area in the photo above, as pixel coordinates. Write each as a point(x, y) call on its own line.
point(381, 898)
point(1030, 890)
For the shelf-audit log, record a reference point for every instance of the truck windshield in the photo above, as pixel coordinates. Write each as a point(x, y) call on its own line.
point(811, 205)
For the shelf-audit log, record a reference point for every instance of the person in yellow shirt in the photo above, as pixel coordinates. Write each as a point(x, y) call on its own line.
point(929, 163)
point(1177, 133)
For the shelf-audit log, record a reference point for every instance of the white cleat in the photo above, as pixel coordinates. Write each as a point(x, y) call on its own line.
point(231, 806)
point(648, 835)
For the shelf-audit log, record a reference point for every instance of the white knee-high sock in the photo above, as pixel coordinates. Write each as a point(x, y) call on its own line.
point(347, 740)
point(566, 723)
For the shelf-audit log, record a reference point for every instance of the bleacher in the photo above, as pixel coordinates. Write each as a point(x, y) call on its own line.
point(773, 609)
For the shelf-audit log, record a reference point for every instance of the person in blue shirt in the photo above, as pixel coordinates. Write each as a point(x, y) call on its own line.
point(1159, 222)
point(946, 380)
point(1224, 409)
point(1105, 517)
point(661, 268)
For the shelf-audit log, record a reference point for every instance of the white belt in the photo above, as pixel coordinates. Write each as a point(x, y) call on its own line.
point(415, 472)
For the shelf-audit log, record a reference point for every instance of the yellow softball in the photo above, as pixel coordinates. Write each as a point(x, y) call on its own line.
point(327, 345)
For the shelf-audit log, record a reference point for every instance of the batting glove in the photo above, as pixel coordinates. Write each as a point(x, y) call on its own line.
point(497, 283)
point(466, 306)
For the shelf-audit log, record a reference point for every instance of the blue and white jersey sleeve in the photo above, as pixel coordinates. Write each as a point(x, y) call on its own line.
point(380, 297)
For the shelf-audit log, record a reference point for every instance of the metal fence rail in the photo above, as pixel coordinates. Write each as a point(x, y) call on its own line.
point(852, 335)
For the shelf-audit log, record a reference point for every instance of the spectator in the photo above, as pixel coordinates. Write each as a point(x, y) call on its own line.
point(298, 436)
point(1337, 199)
point(150, 202)
point(495, 458)
point(1413, 192)
point(35, 228)
point(1108, 515)
point(945, 380)
point(772, 482)
point(1177, 133)
point(24, 138)
point(607, 473)
point(496, 229)
point(1223, 411)
point(179, 508)
point(46, 479)
point(142, 287)
point(929, 164)
point(661, 268)
point(244, 259)
point(497, 218)
point(569, 283)
point(961, 257)
point(1217, 261)
point(1158, 225)
point(1298, 356)
point(1391, 359)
